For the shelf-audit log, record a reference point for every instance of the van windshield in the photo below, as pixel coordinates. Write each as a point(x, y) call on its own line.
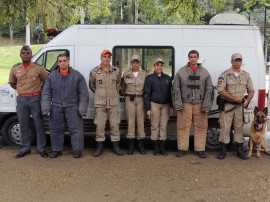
point(122, 56)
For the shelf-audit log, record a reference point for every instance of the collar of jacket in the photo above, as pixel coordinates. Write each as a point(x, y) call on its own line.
point(199, 65)
point(111, 68)
point(162, 74)
point(69, 69)
point(240, 72)
point(30, 65)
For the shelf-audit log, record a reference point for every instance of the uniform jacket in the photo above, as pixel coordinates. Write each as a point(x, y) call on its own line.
point(27, 81)
point(105, 86)
point(65, 91)
point(193, 87)
point(132, 85)
point(235, 85)
point(157, 89)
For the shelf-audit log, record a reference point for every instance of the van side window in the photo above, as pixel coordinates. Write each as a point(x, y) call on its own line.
point(122, 55)
point(50, 59)
point(40, 60)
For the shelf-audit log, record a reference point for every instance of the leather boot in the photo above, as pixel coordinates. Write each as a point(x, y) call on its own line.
point(141, 147)
point(131, 146)
point(156, 148)
point(223, 150)
point(240, 151)
point(99, 149)
point(116, 149)
point(162, 147)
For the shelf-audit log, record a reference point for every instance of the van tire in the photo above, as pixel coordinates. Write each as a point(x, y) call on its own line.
point(12, 134)
point(212, 137)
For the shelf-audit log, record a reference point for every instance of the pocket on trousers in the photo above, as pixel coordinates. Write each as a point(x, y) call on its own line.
point(114, 100)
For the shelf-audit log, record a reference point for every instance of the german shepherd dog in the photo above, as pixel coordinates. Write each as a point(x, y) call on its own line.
point(258, 131)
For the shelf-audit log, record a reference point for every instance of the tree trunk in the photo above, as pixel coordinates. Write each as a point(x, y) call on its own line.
point(10, 34)
point(82, 14)
point(131, 11)
point(136, 12)
point(27, 32)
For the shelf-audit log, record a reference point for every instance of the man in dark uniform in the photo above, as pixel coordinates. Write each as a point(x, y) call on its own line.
point(27, 78)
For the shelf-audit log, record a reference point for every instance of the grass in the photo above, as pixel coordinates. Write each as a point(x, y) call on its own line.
point(9, 56)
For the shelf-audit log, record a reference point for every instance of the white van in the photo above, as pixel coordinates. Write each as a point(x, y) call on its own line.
point(84, 43)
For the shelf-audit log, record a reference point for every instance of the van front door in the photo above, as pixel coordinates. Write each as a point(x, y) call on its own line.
point(47, 57)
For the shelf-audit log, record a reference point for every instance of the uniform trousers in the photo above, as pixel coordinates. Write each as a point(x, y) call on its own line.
point(227, 119)
point(70, 115)
point(159, 121)
point(191, 113)
point(135, 115)
point(26, 106)
point(102, 114)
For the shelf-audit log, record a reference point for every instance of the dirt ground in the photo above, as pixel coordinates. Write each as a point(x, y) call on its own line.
point(133, 178)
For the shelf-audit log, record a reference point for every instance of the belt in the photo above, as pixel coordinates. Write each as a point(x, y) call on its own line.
point(30, 94)
point(134, 95)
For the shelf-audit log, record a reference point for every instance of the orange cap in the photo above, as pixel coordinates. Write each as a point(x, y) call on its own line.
point(104, 52)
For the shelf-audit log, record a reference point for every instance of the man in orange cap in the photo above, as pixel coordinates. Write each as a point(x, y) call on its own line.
point(104, 81)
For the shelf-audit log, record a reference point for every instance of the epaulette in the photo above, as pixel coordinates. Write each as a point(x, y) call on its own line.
point(37, 64)
point(96, 69)
point(16, 64)
point(225, 71)
point(149, 75)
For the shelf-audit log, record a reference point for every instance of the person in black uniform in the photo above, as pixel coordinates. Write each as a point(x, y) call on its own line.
point(158, 105)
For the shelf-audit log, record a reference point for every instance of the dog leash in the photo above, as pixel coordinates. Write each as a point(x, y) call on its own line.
point(243, 114)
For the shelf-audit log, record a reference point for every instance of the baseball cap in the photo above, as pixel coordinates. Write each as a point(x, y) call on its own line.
point(236, 56)
point(135, 57)
point(158, 60)
point(104, 52)
point(26, 48)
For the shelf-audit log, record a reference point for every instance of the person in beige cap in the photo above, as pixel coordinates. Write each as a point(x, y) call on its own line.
point(232, 85)
point(158, 105)
point(132, 87)
point(192, 98)
point(104, 81)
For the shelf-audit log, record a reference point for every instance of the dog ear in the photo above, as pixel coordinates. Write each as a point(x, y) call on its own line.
point(256, 110)
point(265, 110)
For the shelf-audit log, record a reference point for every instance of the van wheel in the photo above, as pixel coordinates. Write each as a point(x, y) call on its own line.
point(12, 132)
point(212, 138)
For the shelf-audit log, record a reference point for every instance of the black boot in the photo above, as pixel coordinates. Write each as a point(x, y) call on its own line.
point(162, 147)
point(141, 147)
point(131, 146)
point(156, 148)
point(99, 149)
point(240, 151)
point(116, 149)
point(223, 150)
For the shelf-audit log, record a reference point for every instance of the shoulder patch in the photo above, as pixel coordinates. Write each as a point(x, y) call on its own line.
point(16, 64)
point(37, 64)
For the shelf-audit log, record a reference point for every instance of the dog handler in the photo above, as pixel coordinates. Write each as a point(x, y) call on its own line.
point(232, 85)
